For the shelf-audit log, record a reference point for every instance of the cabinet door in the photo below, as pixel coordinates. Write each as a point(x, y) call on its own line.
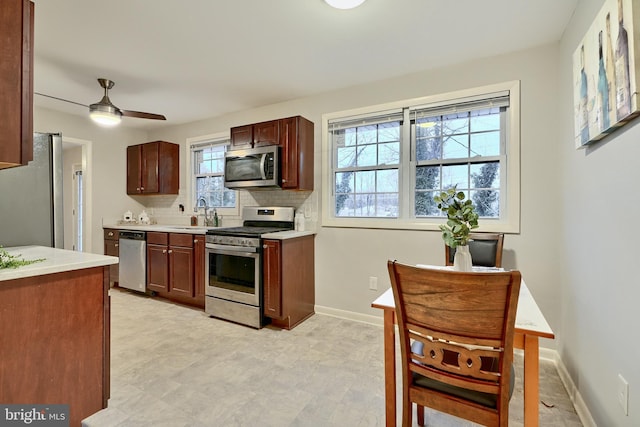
point(289, 144)
point(198, 267)
point(111, 247)
point(271, 258)
point(157, 268)
point(242, 135)
point(181, 271)
point(150, 162)
point(266, 133)
point(134, 164)
point(16, 83)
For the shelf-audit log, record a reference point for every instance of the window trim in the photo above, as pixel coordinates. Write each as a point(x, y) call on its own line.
point(191, 142)
point(509, 223)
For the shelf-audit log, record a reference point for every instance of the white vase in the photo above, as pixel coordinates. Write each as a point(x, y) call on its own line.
point(462, 259)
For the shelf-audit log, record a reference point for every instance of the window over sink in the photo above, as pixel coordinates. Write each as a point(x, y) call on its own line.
point(207, 174)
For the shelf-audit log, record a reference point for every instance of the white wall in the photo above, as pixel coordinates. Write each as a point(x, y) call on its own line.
point(345, 258)
point(599, 237)
point(106, 180)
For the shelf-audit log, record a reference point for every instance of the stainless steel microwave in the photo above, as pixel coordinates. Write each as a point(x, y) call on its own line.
point(252, 168)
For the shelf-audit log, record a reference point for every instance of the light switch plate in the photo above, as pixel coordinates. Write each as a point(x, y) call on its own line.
point(623, 394)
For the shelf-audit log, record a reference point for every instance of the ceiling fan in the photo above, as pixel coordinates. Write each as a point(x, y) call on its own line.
point(104, 112)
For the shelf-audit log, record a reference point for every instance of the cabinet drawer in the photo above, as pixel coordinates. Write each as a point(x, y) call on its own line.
point(157, 238)
point(111, 234)
point(181, 239)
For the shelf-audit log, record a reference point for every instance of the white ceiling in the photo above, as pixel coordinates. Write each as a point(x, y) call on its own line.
point(195, 59)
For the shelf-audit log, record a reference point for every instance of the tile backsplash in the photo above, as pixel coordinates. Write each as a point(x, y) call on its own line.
point(166, 209)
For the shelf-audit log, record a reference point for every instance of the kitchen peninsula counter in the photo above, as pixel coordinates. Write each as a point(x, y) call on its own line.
point(55, 331)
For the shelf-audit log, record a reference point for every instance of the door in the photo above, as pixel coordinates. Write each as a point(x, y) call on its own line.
point(157, 268)
point(272, 279)
point(134, 164)
point(181, 271)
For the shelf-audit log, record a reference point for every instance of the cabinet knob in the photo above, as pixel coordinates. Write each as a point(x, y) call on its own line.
point(284, 180)
point(264, 246)
point(164, 251)
point(110, 234)
point(116, 245)
point(170, 251)
point(142, 188)
point(195, 240)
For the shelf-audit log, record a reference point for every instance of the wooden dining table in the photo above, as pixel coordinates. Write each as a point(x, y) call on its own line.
point(530, 327)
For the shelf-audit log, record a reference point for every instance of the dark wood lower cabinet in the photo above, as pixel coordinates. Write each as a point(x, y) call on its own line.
point(112, 248)
point(289, 280)
point(175, 264)
point(55, 341)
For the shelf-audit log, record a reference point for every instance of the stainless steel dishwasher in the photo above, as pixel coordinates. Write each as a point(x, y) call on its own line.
point(133, 260)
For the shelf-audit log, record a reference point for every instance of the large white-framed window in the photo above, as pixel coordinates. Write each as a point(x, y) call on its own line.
point(383, 164)
point(207, 174)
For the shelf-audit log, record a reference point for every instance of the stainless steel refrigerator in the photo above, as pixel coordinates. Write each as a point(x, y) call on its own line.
point(31, 210)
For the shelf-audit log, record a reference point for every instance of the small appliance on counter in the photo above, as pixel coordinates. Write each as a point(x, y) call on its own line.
point(143, 218)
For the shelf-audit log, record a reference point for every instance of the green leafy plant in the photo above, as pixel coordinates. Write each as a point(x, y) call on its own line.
point(461, 217)
point(13, 261)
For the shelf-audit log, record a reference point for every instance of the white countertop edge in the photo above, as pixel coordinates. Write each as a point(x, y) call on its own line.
point(55, 261)
point(186, 229)
point(285, 235)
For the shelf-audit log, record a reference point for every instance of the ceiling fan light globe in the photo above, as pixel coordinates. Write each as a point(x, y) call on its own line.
point(105, 115)
point(344, 4)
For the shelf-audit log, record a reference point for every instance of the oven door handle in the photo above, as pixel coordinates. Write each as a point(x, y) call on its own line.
point(234, 249)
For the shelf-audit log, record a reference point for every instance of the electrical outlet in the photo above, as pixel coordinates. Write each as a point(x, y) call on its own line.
point(373, 283)
point(623, 394)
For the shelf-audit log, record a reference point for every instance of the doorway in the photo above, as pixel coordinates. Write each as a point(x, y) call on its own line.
point(77, 203)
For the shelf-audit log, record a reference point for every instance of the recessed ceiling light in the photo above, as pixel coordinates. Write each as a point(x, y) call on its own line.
point(344, 4)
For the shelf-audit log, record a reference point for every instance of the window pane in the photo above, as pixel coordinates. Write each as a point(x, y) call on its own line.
point(428, 177)
point(389, 154)
point(367, 134)
point(455, 123)
point(346, 157)
point(209, 177)
point(365, 205)
point(344, 182)
point(425, 206)
point(484, 120)
point(429, 149)
point(366, 182)
point(387, 205)
point(345, 205)
point(456, 147)
point(485, 144)
point(487, 203)
point(485, 175)
point(457, 175)
point(388, 132)
point(387, 181)
point(366, 156)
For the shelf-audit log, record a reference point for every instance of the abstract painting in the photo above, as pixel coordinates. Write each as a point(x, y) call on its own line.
point(605, 75)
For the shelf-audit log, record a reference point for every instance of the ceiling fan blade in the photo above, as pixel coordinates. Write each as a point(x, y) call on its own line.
point(61, 99)
point(141, 115)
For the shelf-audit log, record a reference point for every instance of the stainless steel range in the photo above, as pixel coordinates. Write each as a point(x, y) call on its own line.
point(234, 264)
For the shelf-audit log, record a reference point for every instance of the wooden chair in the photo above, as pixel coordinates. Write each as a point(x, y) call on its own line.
point(471, 315)
point(485, 249)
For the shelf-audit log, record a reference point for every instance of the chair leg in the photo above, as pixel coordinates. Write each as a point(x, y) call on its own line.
point(420, 411)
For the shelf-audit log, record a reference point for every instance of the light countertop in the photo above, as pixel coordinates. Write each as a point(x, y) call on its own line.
point(281, 235)
point(55, 261)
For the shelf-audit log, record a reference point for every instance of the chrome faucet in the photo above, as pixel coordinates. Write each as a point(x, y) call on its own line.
point(207, 220)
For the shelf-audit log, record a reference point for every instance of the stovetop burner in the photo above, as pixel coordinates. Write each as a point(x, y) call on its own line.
point(246, 231)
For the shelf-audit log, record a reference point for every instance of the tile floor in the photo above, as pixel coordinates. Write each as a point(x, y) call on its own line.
point(174, 366)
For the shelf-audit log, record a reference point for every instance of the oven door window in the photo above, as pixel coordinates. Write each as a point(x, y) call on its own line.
point(234, 277)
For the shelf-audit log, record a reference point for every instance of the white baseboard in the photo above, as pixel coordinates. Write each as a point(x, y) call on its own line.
point(545, 353)
point(350, 315)
point(576, 398)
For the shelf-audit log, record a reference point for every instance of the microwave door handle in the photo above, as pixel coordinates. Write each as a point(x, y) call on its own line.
point(263, 161)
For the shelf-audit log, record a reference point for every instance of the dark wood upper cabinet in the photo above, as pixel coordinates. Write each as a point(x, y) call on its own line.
point(295, 136)
point(257, 134)
point(296, 140)
point(16, 83)
point(153, 168)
